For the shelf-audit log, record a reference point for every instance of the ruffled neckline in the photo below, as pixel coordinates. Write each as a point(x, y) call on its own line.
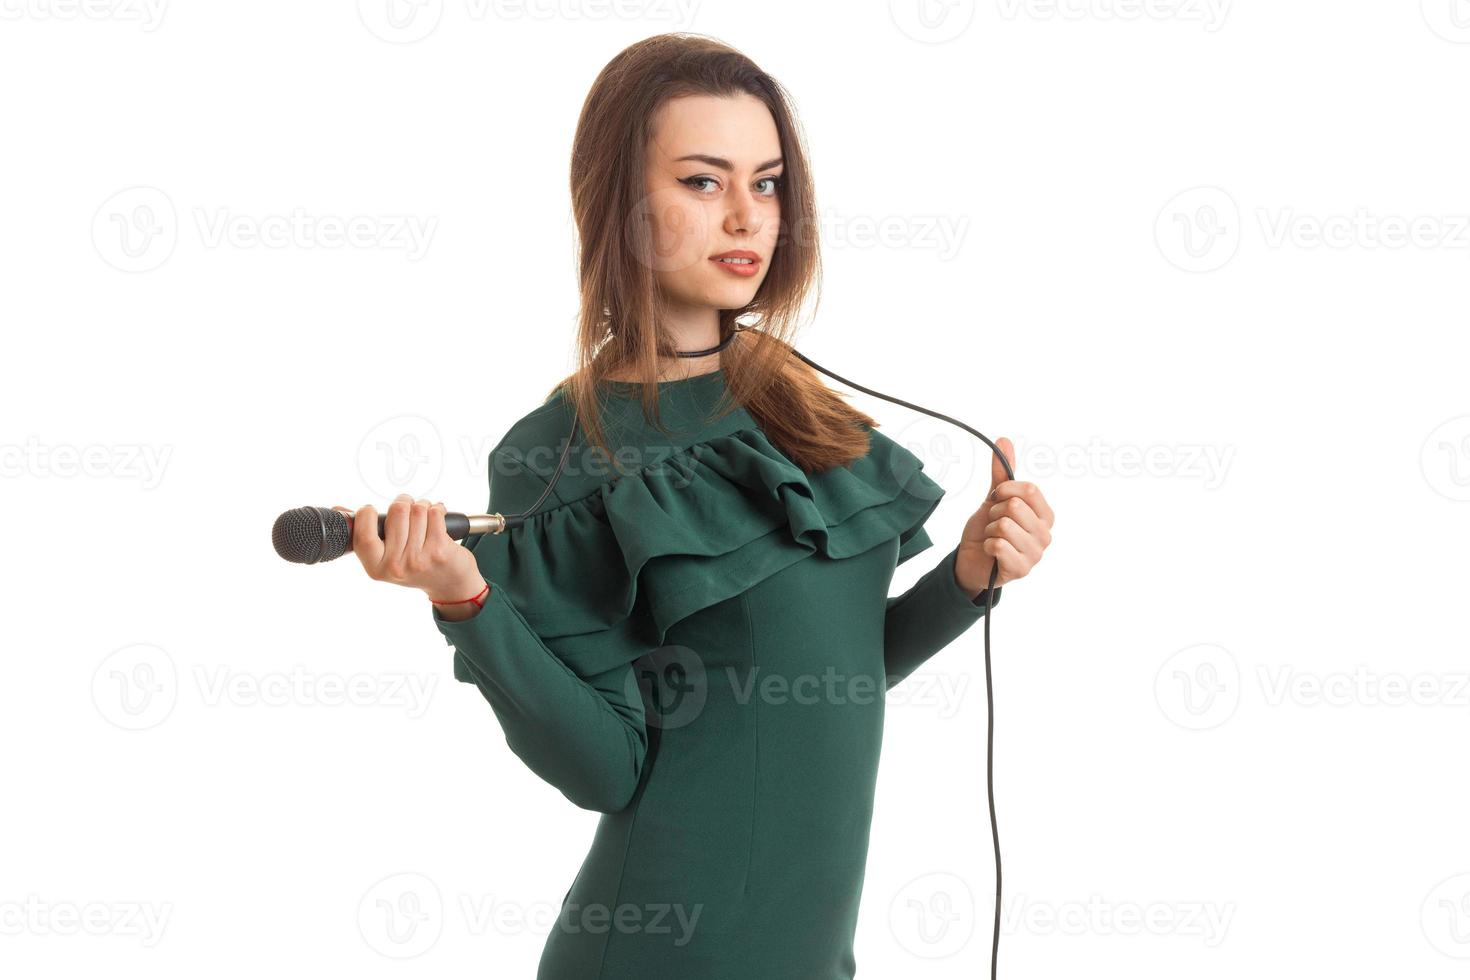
point(708, 377)
point(602, 578)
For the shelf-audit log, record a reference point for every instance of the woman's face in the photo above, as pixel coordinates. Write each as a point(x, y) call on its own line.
point(714, 168)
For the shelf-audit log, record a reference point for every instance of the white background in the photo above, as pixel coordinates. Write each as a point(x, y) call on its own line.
point(1204, 262)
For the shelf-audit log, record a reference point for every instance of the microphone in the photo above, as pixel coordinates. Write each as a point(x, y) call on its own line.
point(309, 535)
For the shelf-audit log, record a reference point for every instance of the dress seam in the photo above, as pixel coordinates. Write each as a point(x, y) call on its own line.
point(755, 716)
point(623, 866)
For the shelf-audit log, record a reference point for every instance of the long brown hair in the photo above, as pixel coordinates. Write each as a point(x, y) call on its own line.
point(619, 318)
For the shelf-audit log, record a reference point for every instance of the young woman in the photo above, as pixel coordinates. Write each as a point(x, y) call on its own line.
point(691, 633)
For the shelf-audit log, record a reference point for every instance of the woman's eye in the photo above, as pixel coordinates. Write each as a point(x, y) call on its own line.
point(698, 183)
point(694, 181)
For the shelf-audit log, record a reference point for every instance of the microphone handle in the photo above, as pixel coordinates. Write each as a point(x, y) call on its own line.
point(460, 526)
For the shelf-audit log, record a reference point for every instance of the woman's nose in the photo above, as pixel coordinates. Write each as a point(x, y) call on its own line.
point(742, 214)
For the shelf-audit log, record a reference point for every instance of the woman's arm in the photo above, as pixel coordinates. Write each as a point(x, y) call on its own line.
point(926, 618)
point(1011, 529)
point(585, 737)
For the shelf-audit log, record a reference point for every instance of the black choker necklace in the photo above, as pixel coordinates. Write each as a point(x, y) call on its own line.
point(709, 350)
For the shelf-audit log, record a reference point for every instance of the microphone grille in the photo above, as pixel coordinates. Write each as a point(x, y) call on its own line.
point(307, 535)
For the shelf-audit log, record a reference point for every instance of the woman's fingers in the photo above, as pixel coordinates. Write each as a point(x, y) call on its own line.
point(1013, 564)
point(1021, 517)
point(418, 529)
point(412, 551)
point(366, 544)
point(436, 529)
point(1027, 492)
point(395, 537)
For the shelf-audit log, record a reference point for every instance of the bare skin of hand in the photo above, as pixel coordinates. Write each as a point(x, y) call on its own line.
point(1013, 527)
point(416, 551)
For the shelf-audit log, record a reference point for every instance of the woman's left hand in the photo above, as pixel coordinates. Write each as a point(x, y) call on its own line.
point(1013, 527)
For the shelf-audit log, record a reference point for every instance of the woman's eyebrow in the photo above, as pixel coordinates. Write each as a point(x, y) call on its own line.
point(724, 164)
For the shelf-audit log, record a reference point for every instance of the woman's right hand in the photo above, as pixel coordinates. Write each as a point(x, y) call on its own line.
point(416, 551)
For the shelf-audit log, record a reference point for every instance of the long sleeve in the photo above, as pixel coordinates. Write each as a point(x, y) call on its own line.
point(585, 737)
point(926, 618)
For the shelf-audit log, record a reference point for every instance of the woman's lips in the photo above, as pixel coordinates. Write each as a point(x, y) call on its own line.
point(745, 269)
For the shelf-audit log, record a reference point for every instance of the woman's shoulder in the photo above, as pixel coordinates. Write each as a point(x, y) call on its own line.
point(537, 434)
point(535, 442)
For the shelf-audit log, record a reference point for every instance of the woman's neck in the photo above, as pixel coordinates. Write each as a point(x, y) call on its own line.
point(674, 369)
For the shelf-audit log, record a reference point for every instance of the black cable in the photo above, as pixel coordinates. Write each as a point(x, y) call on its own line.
point(513, 520)
point(989, 683)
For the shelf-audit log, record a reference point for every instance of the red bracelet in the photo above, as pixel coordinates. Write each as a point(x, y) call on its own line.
point(479, 603)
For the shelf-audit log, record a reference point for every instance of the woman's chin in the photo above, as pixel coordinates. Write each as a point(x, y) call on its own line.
point(731, 296)
point(716, 295)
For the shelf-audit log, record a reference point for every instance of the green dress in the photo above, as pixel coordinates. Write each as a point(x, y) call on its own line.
point(695, 640)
